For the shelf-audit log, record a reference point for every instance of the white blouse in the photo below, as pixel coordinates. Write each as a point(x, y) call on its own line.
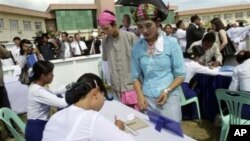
point(241, 77)
point(181, 36)
point(193, 67)
point(76, 124)
point(39, 101)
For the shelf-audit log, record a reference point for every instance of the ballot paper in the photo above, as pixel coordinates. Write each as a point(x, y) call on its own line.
point(136, 124)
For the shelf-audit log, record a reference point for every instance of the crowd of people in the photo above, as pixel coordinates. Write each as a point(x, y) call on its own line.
point(149, 67)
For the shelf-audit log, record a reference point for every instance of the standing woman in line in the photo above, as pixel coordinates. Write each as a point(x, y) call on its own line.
point(40, 99)
point(222, 39)
point(219, 28)
point(157, 65)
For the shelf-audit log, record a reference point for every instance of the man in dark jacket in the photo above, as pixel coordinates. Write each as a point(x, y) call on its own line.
point(194, 31)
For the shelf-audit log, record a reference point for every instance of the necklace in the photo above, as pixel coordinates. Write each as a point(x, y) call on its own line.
point(151, 49)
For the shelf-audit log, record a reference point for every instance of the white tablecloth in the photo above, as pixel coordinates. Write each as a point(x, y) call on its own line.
point(114, 108)
point(17, 93)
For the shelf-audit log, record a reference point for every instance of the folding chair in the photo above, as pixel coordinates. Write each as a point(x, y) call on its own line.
point(185, 101)
point(8, 116)
point(234, 101)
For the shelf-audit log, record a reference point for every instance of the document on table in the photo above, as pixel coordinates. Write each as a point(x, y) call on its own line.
point(136, 124)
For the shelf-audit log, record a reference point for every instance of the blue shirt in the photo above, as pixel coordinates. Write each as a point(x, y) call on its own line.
point(158, 71)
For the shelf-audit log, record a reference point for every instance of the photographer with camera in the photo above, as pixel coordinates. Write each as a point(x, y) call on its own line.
point(28, 56)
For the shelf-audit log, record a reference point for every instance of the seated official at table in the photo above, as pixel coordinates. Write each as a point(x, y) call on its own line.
point(193, 67)
point(241, 78)
point(40, 99)
point(82, 120)
point(212, 56)
point(241, 74)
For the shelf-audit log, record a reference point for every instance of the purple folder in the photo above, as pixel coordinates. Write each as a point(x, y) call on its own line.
point(165, 122)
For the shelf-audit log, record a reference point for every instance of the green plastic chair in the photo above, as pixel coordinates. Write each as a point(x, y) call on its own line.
point(184, 102)
point(234, 101)
point(7, 115)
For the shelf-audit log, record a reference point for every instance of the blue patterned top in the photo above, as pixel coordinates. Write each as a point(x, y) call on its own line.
point(158, 71)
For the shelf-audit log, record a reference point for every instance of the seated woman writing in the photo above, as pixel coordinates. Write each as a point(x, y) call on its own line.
point(193, 67)
point(241, 78)
point(81, 120)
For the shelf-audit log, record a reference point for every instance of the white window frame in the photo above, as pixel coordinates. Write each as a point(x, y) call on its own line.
point(27, 25)
point(1, 23)
point(205, 18)
point(237, 15)
point(36, 25)
point(227, 16)
point(248, 14)
point(185, 20)
point(13, 24)
point(216, 16)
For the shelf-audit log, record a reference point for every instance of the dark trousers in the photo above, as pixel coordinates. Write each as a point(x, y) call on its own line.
point(4, 100)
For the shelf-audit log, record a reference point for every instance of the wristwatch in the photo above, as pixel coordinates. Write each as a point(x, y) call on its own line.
point(167, 90)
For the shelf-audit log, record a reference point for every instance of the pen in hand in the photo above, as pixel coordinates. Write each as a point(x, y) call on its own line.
point(119, 123)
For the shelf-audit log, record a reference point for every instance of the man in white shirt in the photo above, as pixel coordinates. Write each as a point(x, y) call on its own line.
point(212, 55)
point(126, 21)
point(66, 50)
point(239, 35)
point(79, 47)
point(241, 75)
point(181, 35)
point(16, 50)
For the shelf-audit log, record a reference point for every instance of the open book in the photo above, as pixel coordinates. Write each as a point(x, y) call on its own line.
point(134, 125)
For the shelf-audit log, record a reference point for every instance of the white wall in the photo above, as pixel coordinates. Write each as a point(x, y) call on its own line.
point(71, 69)
point(66, 71)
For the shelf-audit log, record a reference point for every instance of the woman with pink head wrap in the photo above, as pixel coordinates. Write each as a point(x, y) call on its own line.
point(117, 52)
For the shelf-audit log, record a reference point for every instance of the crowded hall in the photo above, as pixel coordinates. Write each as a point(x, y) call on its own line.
point(124, 70)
